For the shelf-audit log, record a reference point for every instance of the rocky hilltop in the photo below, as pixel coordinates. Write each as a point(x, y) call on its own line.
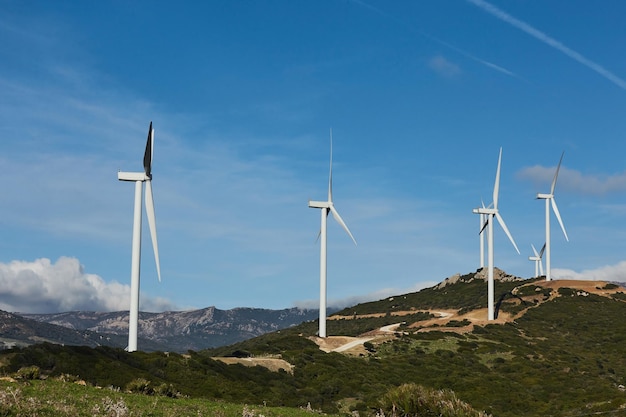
point(482, 274)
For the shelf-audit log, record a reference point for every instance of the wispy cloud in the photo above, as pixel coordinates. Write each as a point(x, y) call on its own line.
point(364, 298)
point(42, 286)
point(615, 272)
point(370, 7)
point(466, 54)
point(574, 181)
point(473, 57)
point(443, 67)
point(548, 40)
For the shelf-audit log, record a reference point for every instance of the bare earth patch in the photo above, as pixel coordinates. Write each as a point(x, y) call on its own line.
point(273, 364)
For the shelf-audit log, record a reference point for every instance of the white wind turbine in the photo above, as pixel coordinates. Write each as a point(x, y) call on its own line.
point(139, 178)
point(326, 206)
point(492, 212)
point(551, 201)
point(537, 259)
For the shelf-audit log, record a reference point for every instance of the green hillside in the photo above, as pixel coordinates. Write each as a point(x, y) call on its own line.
point(553, 351)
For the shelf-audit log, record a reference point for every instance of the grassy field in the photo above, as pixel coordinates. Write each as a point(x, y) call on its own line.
point(55, 398)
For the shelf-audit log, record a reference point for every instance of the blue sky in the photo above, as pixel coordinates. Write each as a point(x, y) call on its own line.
point(420, 97)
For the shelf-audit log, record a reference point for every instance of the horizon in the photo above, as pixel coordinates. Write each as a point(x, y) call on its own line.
point(420, 98)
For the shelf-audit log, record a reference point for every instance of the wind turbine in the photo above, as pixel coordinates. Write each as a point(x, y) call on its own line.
point(327, 206)
point(139, 178)
point(490, 213)
point(551, 201)
point(537, 258)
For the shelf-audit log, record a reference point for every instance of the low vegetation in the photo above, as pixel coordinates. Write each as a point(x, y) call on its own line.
point(57, 398)
point(565, 355)
point(412, 400)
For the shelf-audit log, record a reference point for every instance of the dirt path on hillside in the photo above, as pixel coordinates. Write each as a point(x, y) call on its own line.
point(354, 345)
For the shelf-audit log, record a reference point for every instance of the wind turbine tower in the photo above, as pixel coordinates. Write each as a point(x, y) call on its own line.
point(326, 207)
point(537, 256)
point(491, 212)
point(139, 178)
point(550, 201)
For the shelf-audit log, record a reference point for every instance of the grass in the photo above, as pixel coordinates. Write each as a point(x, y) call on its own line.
point(55, 398)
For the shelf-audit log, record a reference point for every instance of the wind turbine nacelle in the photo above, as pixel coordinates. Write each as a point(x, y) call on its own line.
point(544, 196)
point(484, 210)
point(132, 176)
point(319, 204)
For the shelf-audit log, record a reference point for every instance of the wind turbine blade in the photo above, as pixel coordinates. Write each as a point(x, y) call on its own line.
point(484, 225)
point(330, 174)
point(320, 232)
point(152, 224)
point(496, 186)
point(534, 251)
point(541, 266)
point(558, 217)
point(556, 174)
point(506, 230)
point(147, 156)
point(341, 222)
point(543, 248)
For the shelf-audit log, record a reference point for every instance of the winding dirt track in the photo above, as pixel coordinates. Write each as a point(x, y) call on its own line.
point(354, 345)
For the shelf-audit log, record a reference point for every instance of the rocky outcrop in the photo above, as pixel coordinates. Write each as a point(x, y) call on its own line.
point(482, 274)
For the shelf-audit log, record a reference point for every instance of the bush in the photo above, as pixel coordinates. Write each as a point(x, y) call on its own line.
point(167, 390)
point(140, 386)
point(28, 373)
point(412, 400)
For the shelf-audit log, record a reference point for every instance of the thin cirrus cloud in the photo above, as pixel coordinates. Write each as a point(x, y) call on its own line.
point(574, 181)
point(466, 54)
point(437, 63)
point(548, 40)
point(372, 296)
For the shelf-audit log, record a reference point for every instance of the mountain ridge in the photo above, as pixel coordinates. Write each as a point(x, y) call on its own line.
point(180, 331)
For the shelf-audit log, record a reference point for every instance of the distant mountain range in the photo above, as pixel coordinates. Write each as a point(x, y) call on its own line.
point(176, 331)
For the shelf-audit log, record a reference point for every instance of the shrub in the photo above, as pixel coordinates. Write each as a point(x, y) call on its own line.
point(140, 386)
point(167, 390)
point(412, 400)
point(28, 373)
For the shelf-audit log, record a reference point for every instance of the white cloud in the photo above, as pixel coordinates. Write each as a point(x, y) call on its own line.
point(45, 287)
point(442, 66)
point(606, 273)
point(574, 180)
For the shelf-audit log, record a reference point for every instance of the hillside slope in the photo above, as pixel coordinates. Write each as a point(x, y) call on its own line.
point(557, 348)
